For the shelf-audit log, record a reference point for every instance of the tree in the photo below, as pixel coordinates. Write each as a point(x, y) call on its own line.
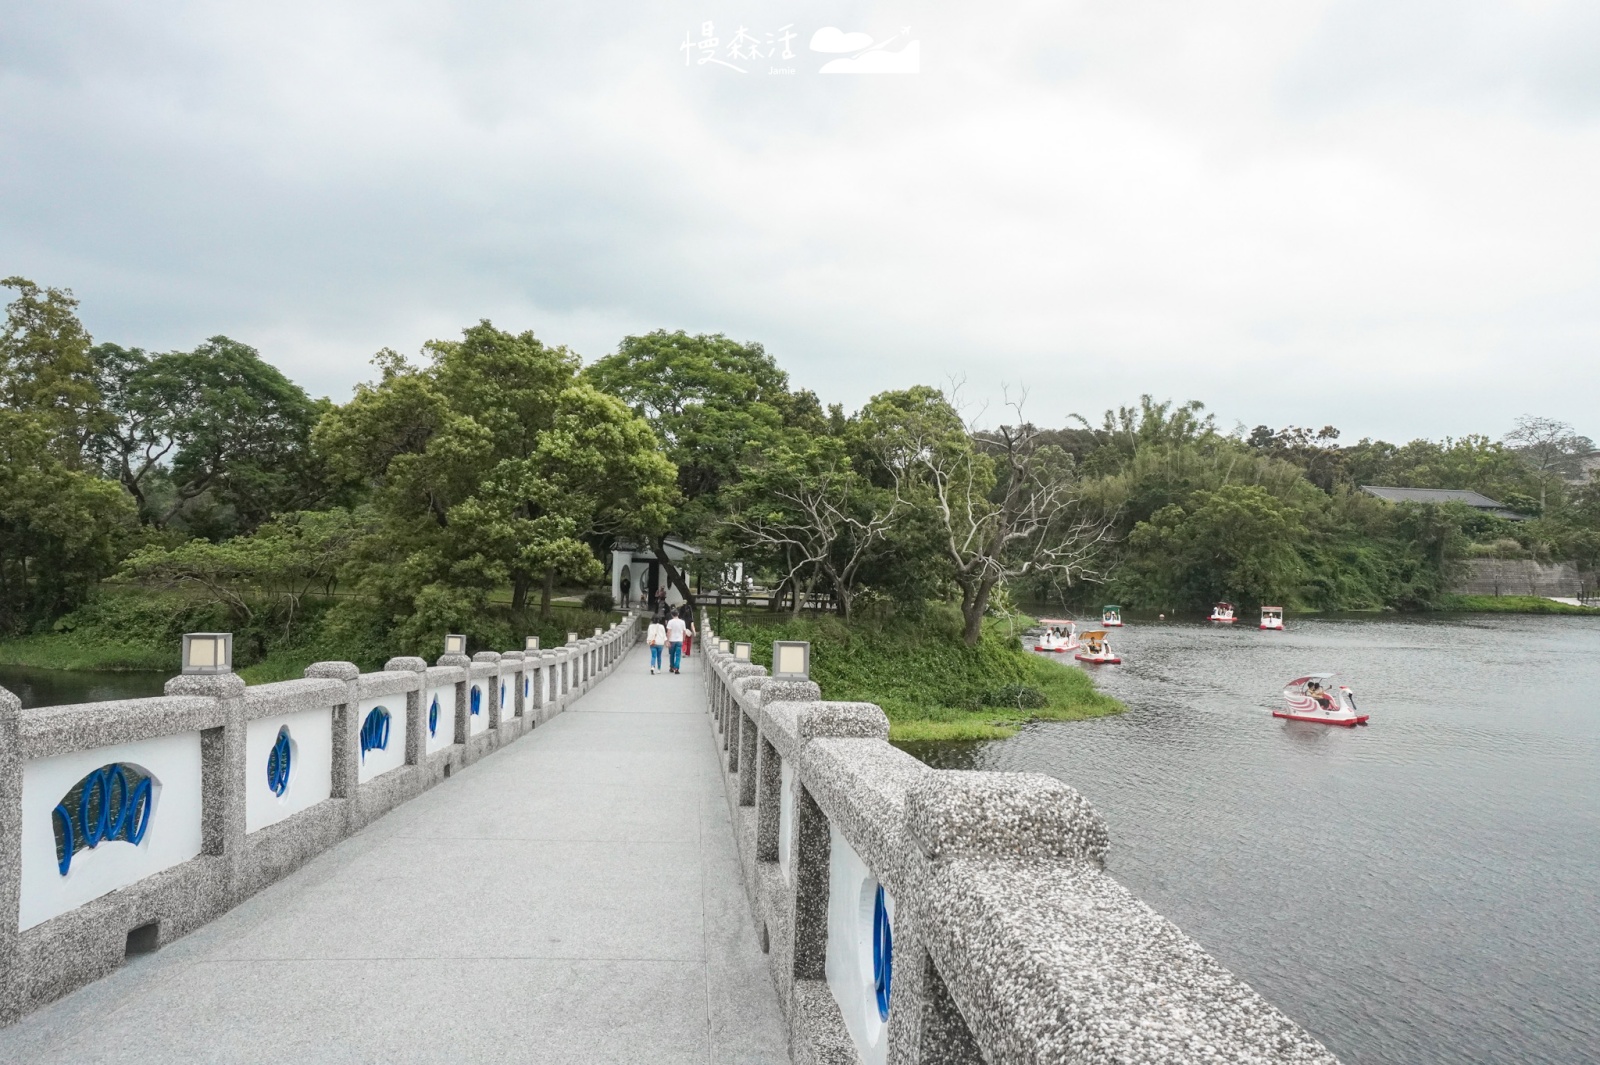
point(488, 467)
point(809, 510)
point(1235, 543)
point(715, 404)
point(1007, 505)
point(241, 430)
point(61, 529)
point(1552, 449)
point(267, 573)
point(45, 365)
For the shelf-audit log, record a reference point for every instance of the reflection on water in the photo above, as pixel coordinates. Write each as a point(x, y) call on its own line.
point(58, 687)
point(1424, 889)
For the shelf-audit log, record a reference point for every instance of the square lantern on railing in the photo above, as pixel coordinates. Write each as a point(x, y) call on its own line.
point(791, 659)
point(455, 645)
point(531, 643)
point(723, 645)
point(741, 652)
point(572, 637)
point(208, 652)
point(597, 630)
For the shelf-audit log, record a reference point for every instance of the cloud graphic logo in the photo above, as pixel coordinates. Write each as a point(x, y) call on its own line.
point(907, 60)
point(833, 40)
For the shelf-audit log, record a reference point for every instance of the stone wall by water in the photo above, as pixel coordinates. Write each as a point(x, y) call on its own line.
point(1521, 576)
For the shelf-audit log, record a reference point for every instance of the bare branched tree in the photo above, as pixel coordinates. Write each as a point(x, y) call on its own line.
point(1551, 448)
point(1008, 506)
point(815, 520)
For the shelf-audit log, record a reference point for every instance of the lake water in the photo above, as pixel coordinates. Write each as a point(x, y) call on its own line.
point(1424, 889)
point(58, 687)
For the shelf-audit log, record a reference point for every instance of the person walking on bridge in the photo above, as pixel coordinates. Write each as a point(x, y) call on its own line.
point(656, 637)
point(675, 627)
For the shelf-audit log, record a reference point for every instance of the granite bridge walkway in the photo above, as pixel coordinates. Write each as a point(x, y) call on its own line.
point(572, 897)
point(552, 856)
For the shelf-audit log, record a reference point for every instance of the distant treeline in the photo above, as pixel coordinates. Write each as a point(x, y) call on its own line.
point(500, 466)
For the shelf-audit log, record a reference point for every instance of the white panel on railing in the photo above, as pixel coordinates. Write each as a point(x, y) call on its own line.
point(149, 792)
point(381, 735)
point(785, 815)
point(477, 706)
point(288, 765)
point(860, 948)
point(439, 717)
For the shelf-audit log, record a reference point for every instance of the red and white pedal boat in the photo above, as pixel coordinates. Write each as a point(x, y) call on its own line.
point(1222, 614)
point(1317, 698)
point(1095, 649)
point(1060, 636)
point(1272, 618)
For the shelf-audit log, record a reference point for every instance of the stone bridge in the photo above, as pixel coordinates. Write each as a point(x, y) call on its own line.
point(522, 857)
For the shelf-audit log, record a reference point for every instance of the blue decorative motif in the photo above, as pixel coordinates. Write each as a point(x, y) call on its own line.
point(375, 731)
point(278, 763)
point(477, 700)
point(111, 803)
point(433, 716)
point(527, 688)
point(502, 695)
point(882, 954)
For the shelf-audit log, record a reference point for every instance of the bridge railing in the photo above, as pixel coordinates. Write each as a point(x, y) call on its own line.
point(126, 824)
point(915, 915)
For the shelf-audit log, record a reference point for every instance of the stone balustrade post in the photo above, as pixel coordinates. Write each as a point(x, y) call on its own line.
point(10, 855)
point(463, 712)
point(416, 709)
point(222, 769)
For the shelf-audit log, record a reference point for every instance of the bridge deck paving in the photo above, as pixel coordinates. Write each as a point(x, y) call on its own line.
point(574, 897)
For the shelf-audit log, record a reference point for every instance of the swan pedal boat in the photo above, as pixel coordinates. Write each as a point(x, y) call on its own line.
point(1060, 636)
point(1272, 618)
point(1222, 614)
point(1095, 649)
point(1111, 616)
point(1317, 698)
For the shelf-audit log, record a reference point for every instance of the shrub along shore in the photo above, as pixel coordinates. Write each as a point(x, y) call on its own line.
point(931, 685)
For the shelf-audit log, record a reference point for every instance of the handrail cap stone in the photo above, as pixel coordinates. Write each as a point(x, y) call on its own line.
point(960, 813)
point(217, 685)
point(406, 664)
point(841, 721)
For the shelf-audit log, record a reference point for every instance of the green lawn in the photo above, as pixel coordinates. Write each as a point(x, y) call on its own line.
point(931, 685)
point(1512, 604)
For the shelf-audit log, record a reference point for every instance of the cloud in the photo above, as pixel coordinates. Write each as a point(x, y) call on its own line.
point(832, 39)
point(907, 60)
point(1245, 205)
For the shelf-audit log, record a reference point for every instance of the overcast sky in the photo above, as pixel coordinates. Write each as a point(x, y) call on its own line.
point(1381, 214)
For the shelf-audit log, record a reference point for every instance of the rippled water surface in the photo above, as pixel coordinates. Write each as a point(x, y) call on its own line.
point(1424, 889)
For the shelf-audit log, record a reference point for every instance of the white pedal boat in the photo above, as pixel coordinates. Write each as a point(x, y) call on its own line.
point(1060, 636)
point(1318, 698)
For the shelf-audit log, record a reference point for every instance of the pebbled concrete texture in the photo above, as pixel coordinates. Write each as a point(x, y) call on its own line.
point(575, 898)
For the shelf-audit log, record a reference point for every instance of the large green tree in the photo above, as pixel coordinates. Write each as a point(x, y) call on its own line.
point(46, 367)
point(61, 529)
point(488, 467)
point(216, 436)
point(716, 405)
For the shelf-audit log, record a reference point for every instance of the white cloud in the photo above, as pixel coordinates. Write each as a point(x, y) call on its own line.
point(1253, 204)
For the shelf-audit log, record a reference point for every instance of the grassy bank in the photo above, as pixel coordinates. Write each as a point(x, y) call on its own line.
point(931, 685)
point(131, 628)
point(1511, 604)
